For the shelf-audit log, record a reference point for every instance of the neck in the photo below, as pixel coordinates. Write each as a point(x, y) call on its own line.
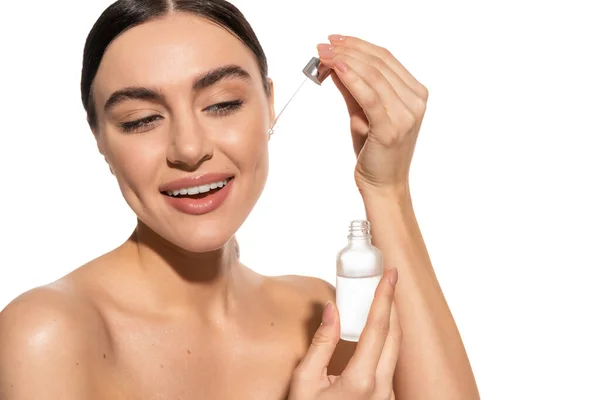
point(179, 281)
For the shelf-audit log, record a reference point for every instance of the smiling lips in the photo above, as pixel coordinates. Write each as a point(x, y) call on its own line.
point(197, 195)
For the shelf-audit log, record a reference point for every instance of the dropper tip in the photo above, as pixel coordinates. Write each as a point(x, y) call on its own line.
point(315, 71)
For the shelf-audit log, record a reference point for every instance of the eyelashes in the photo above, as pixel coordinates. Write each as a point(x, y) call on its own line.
point(224, 108)
point(144, 124)
point(140, 124)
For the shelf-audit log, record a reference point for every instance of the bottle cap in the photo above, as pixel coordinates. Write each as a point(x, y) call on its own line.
point(315, 71)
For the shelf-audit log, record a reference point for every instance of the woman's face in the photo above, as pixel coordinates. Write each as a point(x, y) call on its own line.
point(182, 109)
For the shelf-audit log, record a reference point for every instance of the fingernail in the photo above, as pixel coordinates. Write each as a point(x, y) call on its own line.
point(325, 50)
point(340, 66)
point(393, 277)
point(336, 38)
point(328, 315)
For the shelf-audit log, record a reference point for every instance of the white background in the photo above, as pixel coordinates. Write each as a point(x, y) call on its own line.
point(504, 180)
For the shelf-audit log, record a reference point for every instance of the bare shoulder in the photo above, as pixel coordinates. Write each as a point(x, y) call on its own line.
point(301, 297)
point(48, 336)
point(308, 288)
point(313, 293)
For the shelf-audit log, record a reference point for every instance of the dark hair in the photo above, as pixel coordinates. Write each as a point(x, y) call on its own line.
point(125, 14)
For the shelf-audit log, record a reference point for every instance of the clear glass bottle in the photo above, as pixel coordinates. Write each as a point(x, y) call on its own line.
point(359, 270)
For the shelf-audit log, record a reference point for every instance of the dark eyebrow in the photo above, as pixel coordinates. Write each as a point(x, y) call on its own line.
point(131, 93)
point(205, 80)
point(215, 75)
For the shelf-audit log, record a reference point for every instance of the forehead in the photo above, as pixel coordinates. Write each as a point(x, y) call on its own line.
point(172, 50)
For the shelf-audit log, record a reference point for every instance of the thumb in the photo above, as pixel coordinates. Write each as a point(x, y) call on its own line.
point(351, 103)
point(314, 364)
point(359, 124)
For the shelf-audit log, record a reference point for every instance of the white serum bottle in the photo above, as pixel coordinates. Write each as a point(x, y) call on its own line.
point(359, 270)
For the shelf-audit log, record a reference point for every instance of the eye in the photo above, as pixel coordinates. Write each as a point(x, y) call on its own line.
point(224, 108)
point(140, 125)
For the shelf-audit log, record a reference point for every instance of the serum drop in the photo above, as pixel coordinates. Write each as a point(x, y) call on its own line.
point(359, 270)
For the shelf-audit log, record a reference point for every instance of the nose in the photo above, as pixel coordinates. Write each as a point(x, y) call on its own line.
point(190, 145)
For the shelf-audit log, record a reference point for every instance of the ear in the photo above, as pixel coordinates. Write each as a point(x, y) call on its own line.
point(272, 114)
point(100, 145)
point(101, 149)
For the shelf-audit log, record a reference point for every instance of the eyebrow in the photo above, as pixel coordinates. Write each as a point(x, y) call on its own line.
point(205, 80)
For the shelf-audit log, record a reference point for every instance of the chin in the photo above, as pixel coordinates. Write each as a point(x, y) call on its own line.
point(199, 237)
point(202, 243)
point(200, 240)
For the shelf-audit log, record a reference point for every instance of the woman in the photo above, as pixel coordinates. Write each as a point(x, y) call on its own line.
point(179, 100)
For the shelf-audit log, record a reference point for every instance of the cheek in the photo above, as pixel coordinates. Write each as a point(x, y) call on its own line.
point(135, 162)
point(246, 145)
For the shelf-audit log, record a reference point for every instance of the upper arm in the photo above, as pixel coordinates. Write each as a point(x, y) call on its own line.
point(44, 352)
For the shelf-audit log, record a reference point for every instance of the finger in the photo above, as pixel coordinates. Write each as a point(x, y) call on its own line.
point(351, 103)
point(385, 55)
point(386, 368)
point(372, 340)
point(325, 339)
point(358, 124)
point(369, 87)
point(413, 101)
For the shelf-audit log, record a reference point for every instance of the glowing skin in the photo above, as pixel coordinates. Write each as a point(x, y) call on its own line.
point(184, 139)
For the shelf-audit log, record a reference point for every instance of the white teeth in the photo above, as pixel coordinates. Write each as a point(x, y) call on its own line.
point(204, 188)
point(198, 189)
point(193, 190)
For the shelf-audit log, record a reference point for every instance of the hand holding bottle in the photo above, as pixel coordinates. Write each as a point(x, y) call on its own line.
point(370, 372)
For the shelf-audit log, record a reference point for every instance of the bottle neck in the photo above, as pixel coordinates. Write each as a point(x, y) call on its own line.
point(359, 242)
point(359, 233)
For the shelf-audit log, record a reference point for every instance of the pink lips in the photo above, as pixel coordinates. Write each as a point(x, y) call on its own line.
point(198, 206)
point(192, 181)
